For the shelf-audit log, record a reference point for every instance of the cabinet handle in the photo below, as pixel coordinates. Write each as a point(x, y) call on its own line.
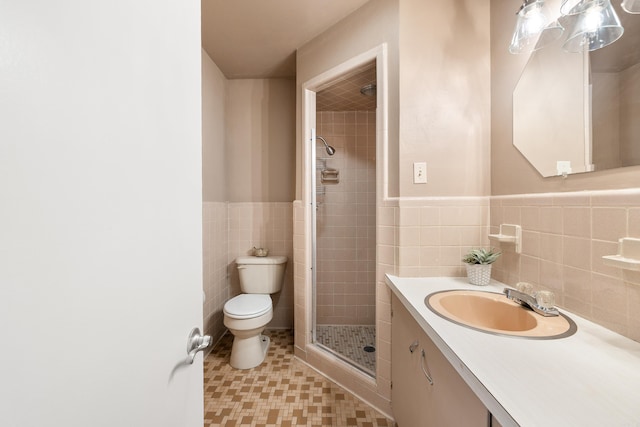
point(424, 371)
point(413, 346)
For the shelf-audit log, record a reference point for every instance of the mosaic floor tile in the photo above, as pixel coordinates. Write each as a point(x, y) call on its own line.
point(355, 342)
point(282, 391)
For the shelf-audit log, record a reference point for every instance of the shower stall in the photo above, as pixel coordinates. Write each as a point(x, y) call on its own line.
point(344, 219)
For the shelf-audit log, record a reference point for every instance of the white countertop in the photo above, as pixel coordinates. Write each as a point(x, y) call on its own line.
point(589, 379)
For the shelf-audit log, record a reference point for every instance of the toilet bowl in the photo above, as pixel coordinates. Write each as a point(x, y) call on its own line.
point(246, 315)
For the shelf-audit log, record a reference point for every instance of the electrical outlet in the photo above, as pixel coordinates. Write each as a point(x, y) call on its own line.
point(563, 167)
point(420, 173)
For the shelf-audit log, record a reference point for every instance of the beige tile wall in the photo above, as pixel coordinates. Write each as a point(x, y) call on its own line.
point(231, 230)
point(435, 233)
point(266, 225)
point(346, 221)
point(564, 236)
point(214, 248)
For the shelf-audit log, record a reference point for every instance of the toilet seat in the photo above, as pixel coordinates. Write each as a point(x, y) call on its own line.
point(247, 306)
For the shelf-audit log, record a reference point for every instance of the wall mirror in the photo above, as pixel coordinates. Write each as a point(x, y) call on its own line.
point(580, 112)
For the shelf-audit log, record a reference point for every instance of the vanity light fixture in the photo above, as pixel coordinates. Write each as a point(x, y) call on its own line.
point(597, 25)
point(574, 7)
point(532, 30)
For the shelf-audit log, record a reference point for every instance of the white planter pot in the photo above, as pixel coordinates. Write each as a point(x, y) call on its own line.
point(479, 274)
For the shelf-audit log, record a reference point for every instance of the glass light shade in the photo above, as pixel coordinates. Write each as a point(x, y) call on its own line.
point(549, 34)
point(631, 6)
point(529, 25)
point(596, 27)
point(573, 7)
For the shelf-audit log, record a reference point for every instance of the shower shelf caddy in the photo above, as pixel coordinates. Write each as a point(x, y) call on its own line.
point(330, 176)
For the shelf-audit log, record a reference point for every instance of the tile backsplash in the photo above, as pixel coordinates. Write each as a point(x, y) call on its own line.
point(434, 233)
point(564, 236)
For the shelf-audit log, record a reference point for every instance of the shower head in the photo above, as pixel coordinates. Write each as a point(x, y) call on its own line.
point(330, 150)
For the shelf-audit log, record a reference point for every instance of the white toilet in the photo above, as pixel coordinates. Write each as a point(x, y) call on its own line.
point(247, 314)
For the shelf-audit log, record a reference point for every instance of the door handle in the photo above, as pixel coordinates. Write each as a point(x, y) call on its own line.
point(195, 343)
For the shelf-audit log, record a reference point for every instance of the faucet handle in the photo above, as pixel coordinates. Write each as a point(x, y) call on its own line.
point(525, 288)
point(545, 299)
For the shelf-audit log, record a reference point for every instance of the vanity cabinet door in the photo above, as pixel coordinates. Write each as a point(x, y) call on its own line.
point(410, 389)
point(416, 402)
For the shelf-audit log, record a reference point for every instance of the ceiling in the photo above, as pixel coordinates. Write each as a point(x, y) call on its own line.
point(258, 38)
point(343, 94)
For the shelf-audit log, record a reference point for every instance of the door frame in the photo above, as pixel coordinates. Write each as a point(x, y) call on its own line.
point(309, 88)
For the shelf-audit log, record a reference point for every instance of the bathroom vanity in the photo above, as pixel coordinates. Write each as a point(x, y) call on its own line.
point(417, 398)
point(466, 377)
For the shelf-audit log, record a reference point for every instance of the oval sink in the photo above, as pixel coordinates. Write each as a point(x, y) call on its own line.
point(494, 313)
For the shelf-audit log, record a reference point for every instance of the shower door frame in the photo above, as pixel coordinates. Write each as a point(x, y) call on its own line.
point(309, 89)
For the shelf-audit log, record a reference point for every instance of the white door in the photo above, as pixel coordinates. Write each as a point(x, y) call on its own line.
point(100, 213)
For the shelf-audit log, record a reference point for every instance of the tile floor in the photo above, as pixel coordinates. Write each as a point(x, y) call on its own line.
point(281, 392)
point(350, 341)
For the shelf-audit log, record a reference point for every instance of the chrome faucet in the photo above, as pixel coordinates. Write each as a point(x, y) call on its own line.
point(529, 301)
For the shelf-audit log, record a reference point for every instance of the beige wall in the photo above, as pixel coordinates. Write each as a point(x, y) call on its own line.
point(606, 120)
point(370, 26)
point(630, 107)
point(213, 132)
point(511, 173)
point(248, 156)
point(260, 140)
point(214, 196)
point(444, 121)
point(445, 96)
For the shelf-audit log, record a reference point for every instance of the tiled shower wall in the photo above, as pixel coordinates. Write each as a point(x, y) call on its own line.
point(231, 230)
point(346, 219)
point(564, 236)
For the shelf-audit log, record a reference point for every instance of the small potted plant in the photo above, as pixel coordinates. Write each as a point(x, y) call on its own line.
point(478, 263)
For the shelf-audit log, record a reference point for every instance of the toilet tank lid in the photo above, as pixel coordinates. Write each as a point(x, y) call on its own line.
point(261, 260)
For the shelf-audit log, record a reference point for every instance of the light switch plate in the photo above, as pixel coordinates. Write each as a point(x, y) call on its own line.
point(420, 173)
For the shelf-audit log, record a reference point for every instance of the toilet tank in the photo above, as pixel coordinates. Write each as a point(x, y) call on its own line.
point(261, 275)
